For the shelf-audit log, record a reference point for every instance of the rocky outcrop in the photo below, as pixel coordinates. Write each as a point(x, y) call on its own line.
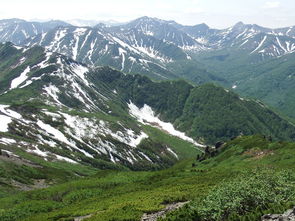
point(287, 216)
point(80, 218)
point(163, 212)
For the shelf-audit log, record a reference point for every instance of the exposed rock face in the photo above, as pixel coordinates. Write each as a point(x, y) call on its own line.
point(80, 218)
point(162, 213)
point(287, 216)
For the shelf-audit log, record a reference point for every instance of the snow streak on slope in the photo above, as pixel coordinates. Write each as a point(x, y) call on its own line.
point(6, 117)
point(19, 80)
point(5, 121)
point(46, 154)
point(121, 53)
point(281, 45)
point(7, 141)
point(82, 128)
point(77, 33)
point(59, 35)
point(80, 71)
point(4, 109)
point(60, 136)
point(146, 115)
point(260, 44)
point(52, 91)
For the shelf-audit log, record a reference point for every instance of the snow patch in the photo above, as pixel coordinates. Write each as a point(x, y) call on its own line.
point(45, 154)
point(77, 33)
point(87, 128)
point(146, 157)
point(21, 61)
point(4, 109)
point(281, 45)
point(132, 59)
point(38, 152)
point(7, 140)
point(43, 63)
point(61, 158)
point(17, 47)
point(171, 151)
point(122, 53)
point(28, 82)
point(80, 71)
point(151, 52)
point(146, 115)
point(19, 80)
point(60, 136)
point(9, 153)
point(135, 139)
point(52, 91)
point(260, 44)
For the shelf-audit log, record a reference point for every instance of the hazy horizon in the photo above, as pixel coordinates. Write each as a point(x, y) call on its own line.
point(216, 14)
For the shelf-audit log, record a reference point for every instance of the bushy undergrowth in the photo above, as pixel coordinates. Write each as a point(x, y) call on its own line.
point(249, 177)
point(245, 198)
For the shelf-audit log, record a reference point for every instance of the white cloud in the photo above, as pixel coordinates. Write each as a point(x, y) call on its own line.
point(272, 4)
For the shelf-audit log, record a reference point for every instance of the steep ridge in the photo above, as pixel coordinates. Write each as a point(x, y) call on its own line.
point(164, 30)
point(155, 47)
point(96, 46)
point(167, 50)
point(62, 119)
point(207, 113)
point(17, 30)
point(130, 48)
point(251, 39)
point(271, 82)
point(70, 118)
point(59, 109)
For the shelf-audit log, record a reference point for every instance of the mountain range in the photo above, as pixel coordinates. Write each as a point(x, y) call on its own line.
point(60, 66)
point(235, 57)
point(102, 102)
point(88, 111)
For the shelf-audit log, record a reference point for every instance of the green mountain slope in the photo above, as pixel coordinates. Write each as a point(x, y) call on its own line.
point(71, 119)
point(211, 186)
point(273, 84)
point(207, 113)
point(62, 119)
point(270, 81)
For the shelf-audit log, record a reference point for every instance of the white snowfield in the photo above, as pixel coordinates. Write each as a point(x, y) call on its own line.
point(6, 117)
point(260, 44)
point(20, 79)
point(9, 153)
point(52, 91)
point(4, 109)
point(60, 136)
point(80, 71)
point(146, 115)
point(7, 141)
point(89, 128)
point(85, 131)
point(45, 154)
point(5, 121)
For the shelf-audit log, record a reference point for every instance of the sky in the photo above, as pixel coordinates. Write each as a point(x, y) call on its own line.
point(215, 13)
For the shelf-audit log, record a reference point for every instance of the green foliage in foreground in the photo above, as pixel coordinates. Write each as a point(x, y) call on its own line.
point(245, 198)
point(251, 176)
